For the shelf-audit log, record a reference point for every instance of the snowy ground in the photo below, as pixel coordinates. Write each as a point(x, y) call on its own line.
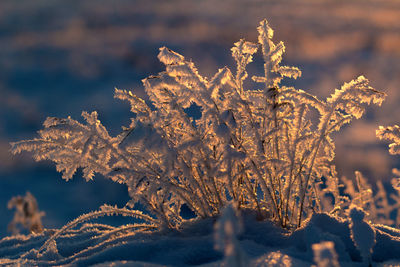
point(263, 243)
point(59, 58)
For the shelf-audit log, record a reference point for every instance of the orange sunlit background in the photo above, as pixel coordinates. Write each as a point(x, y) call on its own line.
point(58, 58)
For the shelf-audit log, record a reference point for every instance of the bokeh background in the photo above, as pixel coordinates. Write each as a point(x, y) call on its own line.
point(58, 58)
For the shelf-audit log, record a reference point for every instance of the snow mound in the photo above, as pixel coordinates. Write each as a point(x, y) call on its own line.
point(264, 244)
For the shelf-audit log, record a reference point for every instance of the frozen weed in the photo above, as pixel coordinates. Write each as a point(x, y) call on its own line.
point(256, 146)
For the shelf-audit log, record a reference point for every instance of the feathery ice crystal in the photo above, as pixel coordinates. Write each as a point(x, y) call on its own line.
point(255, 147)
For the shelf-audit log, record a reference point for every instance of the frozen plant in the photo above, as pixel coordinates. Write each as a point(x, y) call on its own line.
point(26, 214)
point(325, 254)
point(50, 246)
point(256, 146)
point(378, 205)
point(392, 133)
point(362, 233)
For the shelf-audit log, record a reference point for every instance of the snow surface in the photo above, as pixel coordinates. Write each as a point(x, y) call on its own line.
point(264, 244)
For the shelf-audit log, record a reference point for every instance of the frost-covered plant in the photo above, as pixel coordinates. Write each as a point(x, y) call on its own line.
point(377, 204)
point(105, 210)
point(256, 145)
point(27, 214)
point(392, 133)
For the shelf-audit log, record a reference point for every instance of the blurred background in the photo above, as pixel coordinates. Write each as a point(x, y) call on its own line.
point(58, 58)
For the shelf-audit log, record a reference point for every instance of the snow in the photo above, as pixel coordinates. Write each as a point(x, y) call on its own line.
point(362, 233)
point(263, 243)
point(325, 255)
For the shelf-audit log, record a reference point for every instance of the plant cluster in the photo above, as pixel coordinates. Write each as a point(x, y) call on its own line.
point(256, 145)
point(27, 214)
